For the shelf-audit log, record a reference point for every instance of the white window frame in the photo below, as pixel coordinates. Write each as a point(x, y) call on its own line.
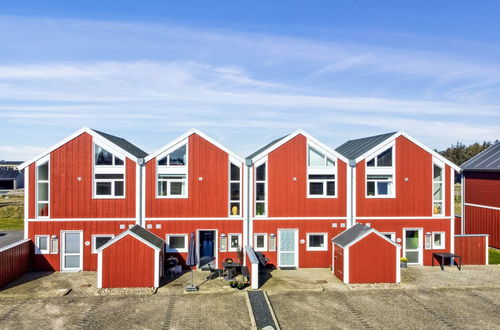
point(43, 161)
point(393, 235)
point(312, 248)
point(231, 249)
point(321, 170)
point(108, 169)
point(381, 170)
point(255, 247)
point(94, 250)
point(443, 240)
point(257, 164)
point(182, 250)
point(173, 170)
point(235, 163)
point(441, 165)
point(37, 244)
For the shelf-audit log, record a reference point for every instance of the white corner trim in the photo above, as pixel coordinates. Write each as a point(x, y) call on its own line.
point(398, 265)
point(157, 269)
point(26, 200)
point(482, 206)
point(346, 265)
point(99, 270)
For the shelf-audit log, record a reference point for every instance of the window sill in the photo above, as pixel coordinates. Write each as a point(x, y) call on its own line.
point(320, 196)
point(380, 197)
point(177, 251)
point(172, 197)
point(108, 197)
point(316, 249)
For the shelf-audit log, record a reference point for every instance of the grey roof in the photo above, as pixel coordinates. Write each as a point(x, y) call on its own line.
point(352, 149)
point(10, 162)
point(124, 144)
point(350, 234)
point(147, 236)
point(7, 173)
point(266, 146)
point(486, 160)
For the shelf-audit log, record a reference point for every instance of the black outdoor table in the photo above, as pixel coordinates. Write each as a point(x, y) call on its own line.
point(230, 266)
point(452, 257)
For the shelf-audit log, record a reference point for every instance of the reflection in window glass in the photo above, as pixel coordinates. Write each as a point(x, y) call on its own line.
point(316, 158)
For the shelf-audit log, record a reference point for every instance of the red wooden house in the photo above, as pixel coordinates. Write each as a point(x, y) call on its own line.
point(404, 190)
point(300, 200)
point(78, 195)
point(194, 184)
point(481, 194)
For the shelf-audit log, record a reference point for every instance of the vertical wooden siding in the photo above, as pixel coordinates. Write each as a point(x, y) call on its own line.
point(338, 260)
point(479, 220)
point(473, 249)
point(122, 262)
point(14, 262)
point(458, 225)
point(372, 260)
point(288, 198)
point(51, 262)
point(206, 198)
point(413, 197)
point(482, 189)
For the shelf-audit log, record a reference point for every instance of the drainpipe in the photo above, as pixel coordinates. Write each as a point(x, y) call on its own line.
point(352, 165)
point(248, 206)
point(141, 163)
point(462, 193)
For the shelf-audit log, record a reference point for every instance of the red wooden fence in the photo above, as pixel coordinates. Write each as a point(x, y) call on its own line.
point(472, 248)
point(14, 261)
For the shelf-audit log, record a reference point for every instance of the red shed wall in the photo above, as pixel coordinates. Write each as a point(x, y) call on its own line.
point(14, 262)
point(128, 263)
point(482, 188)
point(473, 249)
point(479, 220)
point(338, 259)
point(206, 198)
point(288, 198)
point(307, 259)
point(428, 225)
point(190, 226)
point(372, 260)
point(413, 197)
point(50, 262)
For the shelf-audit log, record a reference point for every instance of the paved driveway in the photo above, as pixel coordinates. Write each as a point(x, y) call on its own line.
point(8, 237)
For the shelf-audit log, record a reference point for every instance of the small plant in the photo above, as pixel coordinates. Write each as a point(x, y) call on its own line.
point(233, 284)
point(241, 286)
point(403, 259)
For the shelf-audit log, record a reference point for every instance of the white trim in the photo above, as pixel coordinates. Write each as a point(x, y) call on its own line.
point(487, 250)
point(157, 268)
point(235, 162)
point(99, 270)
point(321, 170)
point(240, 241)
point(26, 200)
point(138, 193)
point(296, 247)
point(442, 182)
point(10, 246)
point(94, 236)
point(201, 134)
point(262, 161)
point(482, 206)
point(173, 170)
point(325, 242)
point(125, 233)
point(300, 218)
point(167, 241)
point(262, 249)
point(443, 238)
point(41, 162)
point(420, 245)
point(143, 195)
point(63, 254)
point(348, 195)
point(289, 137)
point(80, 219)
point(398, 265)
point(404, 218)
point(366, 233)
point(462, 187)
point(345, 253)
point(193, 219)
point(37, 243)
point(452, 210)
point(69, 138)
point(354, 196)
point(393, 235)
point(382, 170)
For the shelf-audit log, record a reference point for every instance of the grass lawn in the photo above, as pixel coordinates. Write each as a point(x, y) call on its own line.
point(11, 224)
point(494, 256)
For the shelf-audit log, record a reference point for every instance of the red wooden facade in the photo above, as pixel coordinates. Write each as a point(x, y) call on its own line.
point(14, 261)
point(338, 262)
point(472, 248)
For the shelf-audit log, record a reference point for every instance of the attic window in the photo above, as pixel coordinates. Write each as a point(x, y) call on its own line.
point(318, 159)
point(109, 174)
point(321, 173)
point(172, 173)
point(383, 159)
point(175, 158)
point(103, 157)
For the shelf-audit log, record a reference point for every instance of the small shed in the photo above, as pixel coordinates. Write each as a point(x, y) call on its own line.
point(361, 254)
point(132, 259)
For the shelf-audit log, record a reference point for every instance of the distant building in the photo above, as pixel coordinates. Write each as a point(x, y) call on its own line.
point(10, 176)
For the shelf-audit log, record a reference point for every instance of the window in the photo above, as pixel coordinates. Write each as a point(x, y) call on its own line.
point(321, 172)
point(260, 242)
point(260, 190)
point(391, 236)
point(384, 159)
point(100, 240)
point(234, 242)
point(379, 185)
point(438, 240)
point(234, 190)
point(42, 244)
point(177, 243)
point(172, 173)
point(43, 190)
point(317, 242)
point(109, 174)
point(437, 190)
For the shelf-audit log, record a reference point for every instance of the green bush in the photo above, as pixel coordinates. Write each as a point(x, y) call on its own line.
point(12, 212)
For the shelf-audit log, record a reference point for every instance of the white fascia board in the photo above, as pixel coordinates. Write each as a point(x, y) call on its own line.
point(188, 134)
point(371, 231)
point(309, 137)
point(91, 132)
point(122, 235)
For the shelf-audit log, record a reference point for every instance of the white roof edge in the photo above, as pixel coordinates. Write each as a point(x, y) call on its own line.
point(418, 143)
point(71, 137)
point(293, 135)
point(201, 134)
point(368, 232)
point(122, 235)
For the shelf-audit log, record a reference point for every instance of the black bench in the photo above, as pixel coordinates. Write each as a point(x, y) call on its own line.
point(452, 258)
point(245, 273)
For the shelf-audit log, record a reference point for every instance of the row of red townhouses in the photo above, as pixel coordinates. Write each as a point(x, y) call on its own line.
point(287, 200)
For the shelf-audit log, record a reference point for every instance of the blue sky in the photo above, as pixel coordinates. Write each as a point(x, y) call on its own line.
point(245, 73)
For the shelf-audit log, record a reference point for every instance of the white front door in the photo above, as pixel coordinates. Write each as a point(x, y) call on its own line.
point(412, 246)
point(288, 248)
point(71, 251)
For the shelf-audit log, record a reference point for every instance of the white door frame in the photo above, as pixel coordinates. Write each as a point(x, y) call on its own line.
point(296, 247)
point(420, 245)
point(216, 245)
point(62, 249)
